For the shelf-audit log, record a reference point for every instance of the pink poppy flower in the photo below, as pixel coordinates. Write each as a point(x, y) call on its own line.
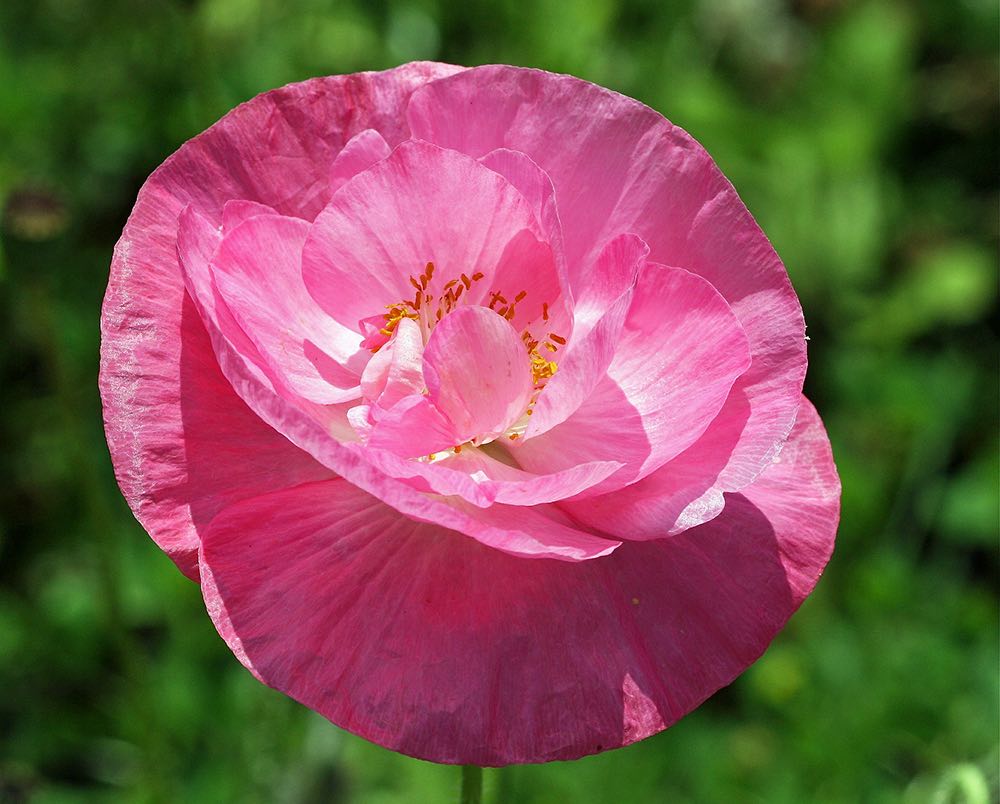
point(473, 400)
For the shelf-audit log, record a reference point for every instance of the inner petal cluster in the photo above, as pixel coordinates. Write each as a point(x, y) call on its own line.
point(489, 382)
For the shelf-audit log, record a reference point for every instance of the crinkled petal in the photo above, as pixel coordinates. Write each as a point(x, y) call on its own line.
point(678, 495)
point(171, 419)
point(618, 166)
point(413, 428)
point(529, 532)
point(614, 272)
point(429, 644)
point(197, 245)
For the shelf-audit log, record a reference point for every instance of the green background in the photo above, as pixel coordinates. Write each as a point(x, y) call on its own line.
point(863, 137)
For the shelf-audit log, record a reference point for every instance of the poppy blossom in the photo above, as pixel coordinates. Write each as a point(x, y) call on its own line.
point(473, 400)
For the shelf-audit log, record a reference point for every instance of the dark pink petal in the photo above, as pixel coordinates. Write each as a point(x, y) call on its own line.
point(171, 420)
point(423, 204)
point(477, 372)
point(677, 359)
point(364, 150)
point(618, 166)
point(430, 644)
point(258, 271)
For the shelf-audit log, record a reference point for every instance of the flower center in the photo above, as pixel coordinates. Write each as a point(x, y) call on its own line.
point(432, 301)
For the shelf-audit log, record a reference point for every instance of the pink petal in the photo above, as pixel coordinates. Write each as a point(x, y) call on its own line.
point(363, 150)
point(478, 373)
point(530, 532)
point(534, 184)
point(197, 244)
point(235, 212)
point(479, 383)
point(675, 497)
point(598, 317)
point(618, 166)
point(429, 644)
point(258, 273)
point(482, 480)
point(613, 273)
point(413, 428)
point(396, 370)
point(420, 205)
point(675, 363)
point(171, 419)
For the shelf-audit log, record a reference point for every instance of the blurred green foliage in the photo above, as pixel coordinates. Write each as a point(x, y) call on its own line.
point(863, 134)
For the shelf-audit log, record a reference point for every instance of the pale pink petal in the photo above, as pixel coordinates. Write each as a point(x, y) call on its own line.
point(197, 243)
point(427, 643)
point(258, 272)
point(534, 184)
point(235, 212)
point(513, 486)
point(482, 480)
point(618, 166)
point(413, 428)
point(478, 373)
point(420, 205)
point(598, 317)
point(678, 495)
point(396, 370)
point(676, 361)
point(613, 273)
point(364, 150)
point(170, 417)
point(360, 418)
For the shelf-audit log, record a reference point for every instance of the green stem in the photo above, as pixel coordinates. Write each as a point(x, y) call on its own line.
point(472, 784)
